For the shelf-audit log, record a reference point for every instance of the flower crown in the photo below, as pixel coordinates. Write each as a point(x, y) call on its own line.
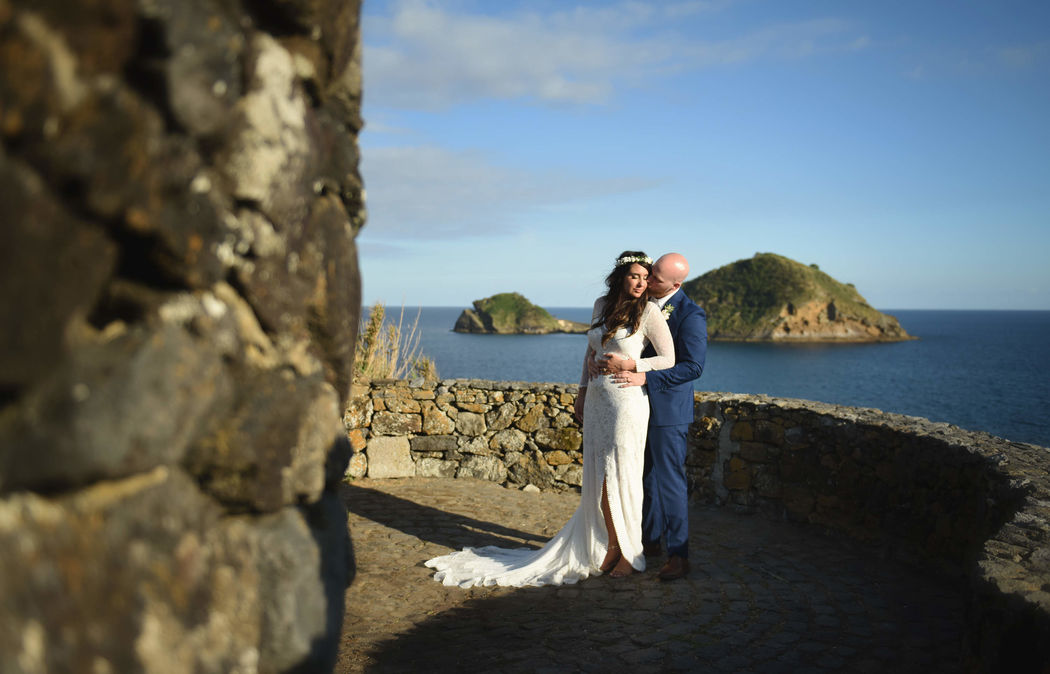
point(640, 259)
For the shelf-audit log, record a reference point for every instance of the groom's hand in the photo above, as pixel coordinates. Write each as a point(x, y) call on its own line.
point(594, 368)
point(612, 363)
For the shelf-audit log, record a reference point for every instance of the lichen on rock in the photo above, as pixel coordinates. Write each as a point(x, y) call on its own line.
point(181, 288)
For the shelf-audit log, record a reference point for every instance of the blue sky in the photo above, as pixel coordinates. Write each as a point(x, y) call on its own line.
point(903, 146)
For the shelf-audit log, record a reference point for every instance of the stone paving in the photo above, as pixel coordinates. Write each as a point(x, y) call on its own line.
point(762, 596)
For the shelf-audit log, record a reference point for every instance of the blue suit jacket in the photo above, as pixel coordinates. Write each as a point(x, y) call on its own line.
point(671, 390)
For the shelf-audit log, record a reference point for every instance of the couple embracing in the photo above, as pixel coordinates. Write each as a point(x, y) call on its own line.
point(646, 346)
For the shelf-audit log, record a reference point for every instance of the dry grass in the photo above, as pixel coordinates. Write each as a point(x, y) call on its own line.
point(386, 350)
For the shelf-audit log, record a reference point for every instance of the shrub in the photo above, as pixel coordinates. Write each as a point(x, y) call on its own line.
point(390, 351)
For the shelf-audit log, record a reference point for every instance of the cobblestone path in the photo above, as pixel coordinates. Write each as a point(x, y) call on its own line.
point(762, 596)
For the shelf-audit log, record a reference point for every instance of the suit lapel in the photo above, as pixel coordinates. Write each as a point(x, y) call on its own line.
point(672, 320)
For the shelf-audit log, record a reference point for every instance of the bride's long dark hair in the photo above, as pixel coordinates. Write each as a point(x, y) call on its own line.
point(619, 309)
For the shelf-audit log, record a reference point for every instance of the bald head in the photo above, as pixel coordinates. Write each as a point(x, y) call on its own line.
point(669, 272)
point(674, 266)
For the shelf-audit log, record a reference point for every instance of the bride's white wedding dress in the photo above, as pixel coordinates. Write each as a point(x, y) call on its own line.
point(614, 426)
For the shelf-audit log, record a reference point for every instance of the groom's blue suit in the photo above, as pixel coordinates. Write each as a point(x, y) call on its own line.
point(665, 505)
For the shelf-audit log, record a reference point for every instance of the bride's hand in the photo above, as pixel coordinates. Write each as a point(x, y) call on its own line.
point(627, 379)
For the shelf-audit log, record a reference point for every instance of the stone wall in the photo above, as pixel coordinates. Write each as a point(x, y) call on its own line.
point(180, 299)
point(510, 433)
point(959, 502)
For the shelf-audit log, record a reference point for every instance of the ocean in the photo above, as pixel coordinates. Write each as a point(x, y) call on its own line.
point(980, 370)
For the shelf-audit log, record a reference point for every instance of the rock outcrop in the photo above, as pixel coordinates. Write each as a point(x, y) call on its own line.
point(180, 301)
point(773, 298)
point(512, 314)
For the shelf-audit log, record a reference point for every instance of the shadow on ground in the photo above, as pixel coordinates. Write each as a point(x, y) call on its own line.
point(747, 622)
point(433, 525)
point(763, 596)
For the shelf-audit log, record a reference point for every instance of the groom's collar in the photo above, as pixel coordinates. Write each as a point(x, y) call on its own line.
point(661, 301)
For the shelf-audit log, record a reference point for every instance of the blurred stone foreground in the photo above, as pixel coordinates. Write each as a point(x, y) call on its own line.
point(180, 197)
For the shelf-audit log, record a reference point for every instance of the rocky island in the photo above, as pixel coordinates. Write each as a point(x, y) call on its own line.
point(512, 314)
point(773, 298)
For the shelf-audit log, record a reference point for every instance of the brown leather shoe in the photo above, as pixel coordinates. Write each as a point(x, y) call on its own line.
point(652, 549)
point(675, 568)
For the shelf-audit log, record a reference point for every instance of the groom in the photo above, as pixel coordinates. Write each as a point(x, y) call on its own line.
point(665, 505)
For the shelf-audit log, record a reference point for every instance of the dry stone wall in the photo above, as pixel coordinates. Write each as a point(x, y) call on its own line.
point(180, 299)
point(956, 501)
point(516, 434)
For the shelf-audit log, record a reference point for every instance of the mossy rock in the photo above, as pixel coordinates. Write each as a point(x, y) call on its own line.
point(773, 298)
point(512, 314)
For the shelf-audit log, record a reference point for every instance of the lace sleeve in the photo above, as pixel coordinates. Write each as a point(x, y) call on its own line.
point(595, 313)
point(659, 335)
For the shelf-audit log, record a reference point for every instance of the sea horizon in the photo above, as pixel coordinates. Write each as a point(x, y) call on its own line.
point(549, 308)
point(978, 374)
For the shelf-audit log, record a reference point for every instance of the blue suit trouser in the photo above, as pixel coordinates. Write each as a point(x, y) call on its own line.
point(665, 504)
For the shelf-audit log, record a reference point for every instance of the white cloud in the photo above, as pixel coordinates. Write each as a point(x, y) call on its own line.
point(678, 10)
point(421, 55)
point(425, 57)
point(780, 42)
point(1025, 55)
point(916, 73)
point(433, 192)
point(380, 126)
point(974, 61)
point(375, 250)
point(434, 58)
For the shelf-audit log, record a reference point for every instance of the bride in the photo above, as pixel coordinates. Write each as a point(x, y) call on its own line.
point(605, 533)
